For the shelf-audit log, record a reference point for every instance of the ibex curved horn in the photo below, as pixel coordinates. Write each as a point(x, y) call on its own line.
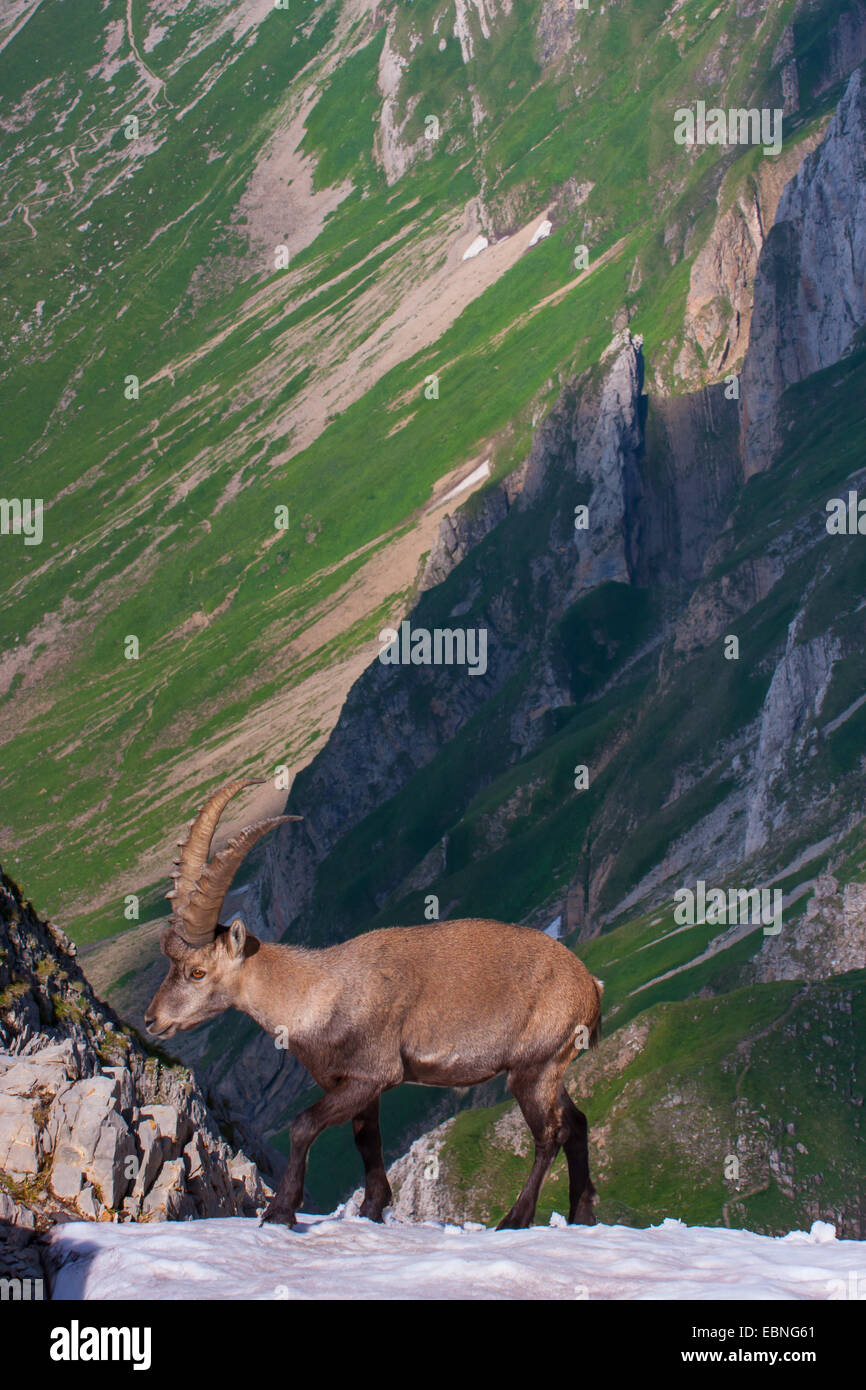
point(199, 887)
point(202, 910)
point(195, 845)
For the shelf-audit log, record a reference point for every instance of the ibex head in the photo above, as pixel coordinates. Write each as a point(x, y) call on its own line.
point(207, 958)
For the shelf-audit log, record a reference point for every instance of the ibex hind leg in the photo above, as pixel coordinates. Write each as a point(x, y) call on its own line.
point(536, 1093)
point(368, 1138)
point(348, 1098)
point(581, 1191)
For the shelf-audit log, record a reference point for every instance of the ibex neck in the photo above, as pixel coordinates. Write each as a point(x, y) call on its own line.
point(278, 984)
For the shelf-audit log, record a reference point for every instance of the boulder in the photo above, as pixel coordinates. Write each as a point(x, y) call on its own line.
point(89, 1204)
point(169, 1125)
point(149, 1158)
point(90, 1140)
point(125, 1088)
point(19, 1138)
point(195, 1156)
point(168, 1199)
point(48, 1070)
point(250, 1193)
point(15, 1214)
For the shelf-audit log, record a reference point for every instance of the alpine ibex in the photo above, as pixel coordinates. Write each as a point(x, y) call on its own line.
point(448, 1004)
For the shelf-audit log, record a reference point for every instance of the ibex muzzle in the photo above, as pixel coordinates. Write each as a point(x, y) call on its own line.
point(450, 1004)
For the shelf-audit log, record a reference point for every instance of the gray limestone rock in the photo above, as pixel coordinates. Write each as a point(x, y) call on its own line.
point(810, 291)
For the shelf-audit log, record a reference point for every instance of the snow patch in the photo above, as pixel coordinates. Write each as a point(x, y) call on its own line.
point(476, 476)
point(479, 244)
point(543, 230)
point(344, 1257)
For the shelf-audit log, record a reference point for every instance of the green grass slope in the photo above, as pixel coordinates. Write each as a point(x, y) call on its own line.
point(137, 257)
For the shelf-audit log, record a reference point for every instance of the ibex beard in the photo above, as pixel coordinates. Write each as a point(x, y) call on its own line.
point(450, 1004)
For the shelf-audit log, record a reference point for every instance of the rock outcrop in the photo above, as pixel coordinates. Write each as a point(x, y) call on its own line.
point(613, 445)
point(460, 533)
point(92, 1125)
point(791, 709)
point(829, 938)
point(419, 1193)
point(395, 154)
point(721, 284)
point(810, 292)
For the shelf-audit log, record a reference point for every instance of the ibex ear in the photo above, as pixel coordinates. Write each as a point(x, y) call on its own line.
point(236, 938)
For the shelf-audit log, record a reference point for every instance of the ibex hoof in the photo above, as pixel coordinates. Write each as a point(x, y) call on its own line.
point(510, 1222)
point(371, 1212)
point(278, 1216)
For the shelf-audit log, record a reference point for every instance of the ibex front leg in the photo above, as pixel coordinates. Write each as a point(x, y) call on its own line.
point(349, 1097)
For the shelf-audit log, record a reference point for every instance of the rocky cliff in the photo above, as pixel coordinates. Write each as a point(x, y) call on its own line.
point(722, 279)
point(810, 295)
point(92, 1125)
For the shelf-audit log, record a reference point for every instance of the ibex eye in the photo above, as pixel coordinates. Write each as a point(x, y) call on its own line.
point(196, 974)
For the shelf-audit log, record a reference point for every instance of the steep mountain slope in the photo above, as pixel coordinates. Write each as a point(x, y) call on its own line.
point(611, 650)
point(235, 281)
point(239, 207)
